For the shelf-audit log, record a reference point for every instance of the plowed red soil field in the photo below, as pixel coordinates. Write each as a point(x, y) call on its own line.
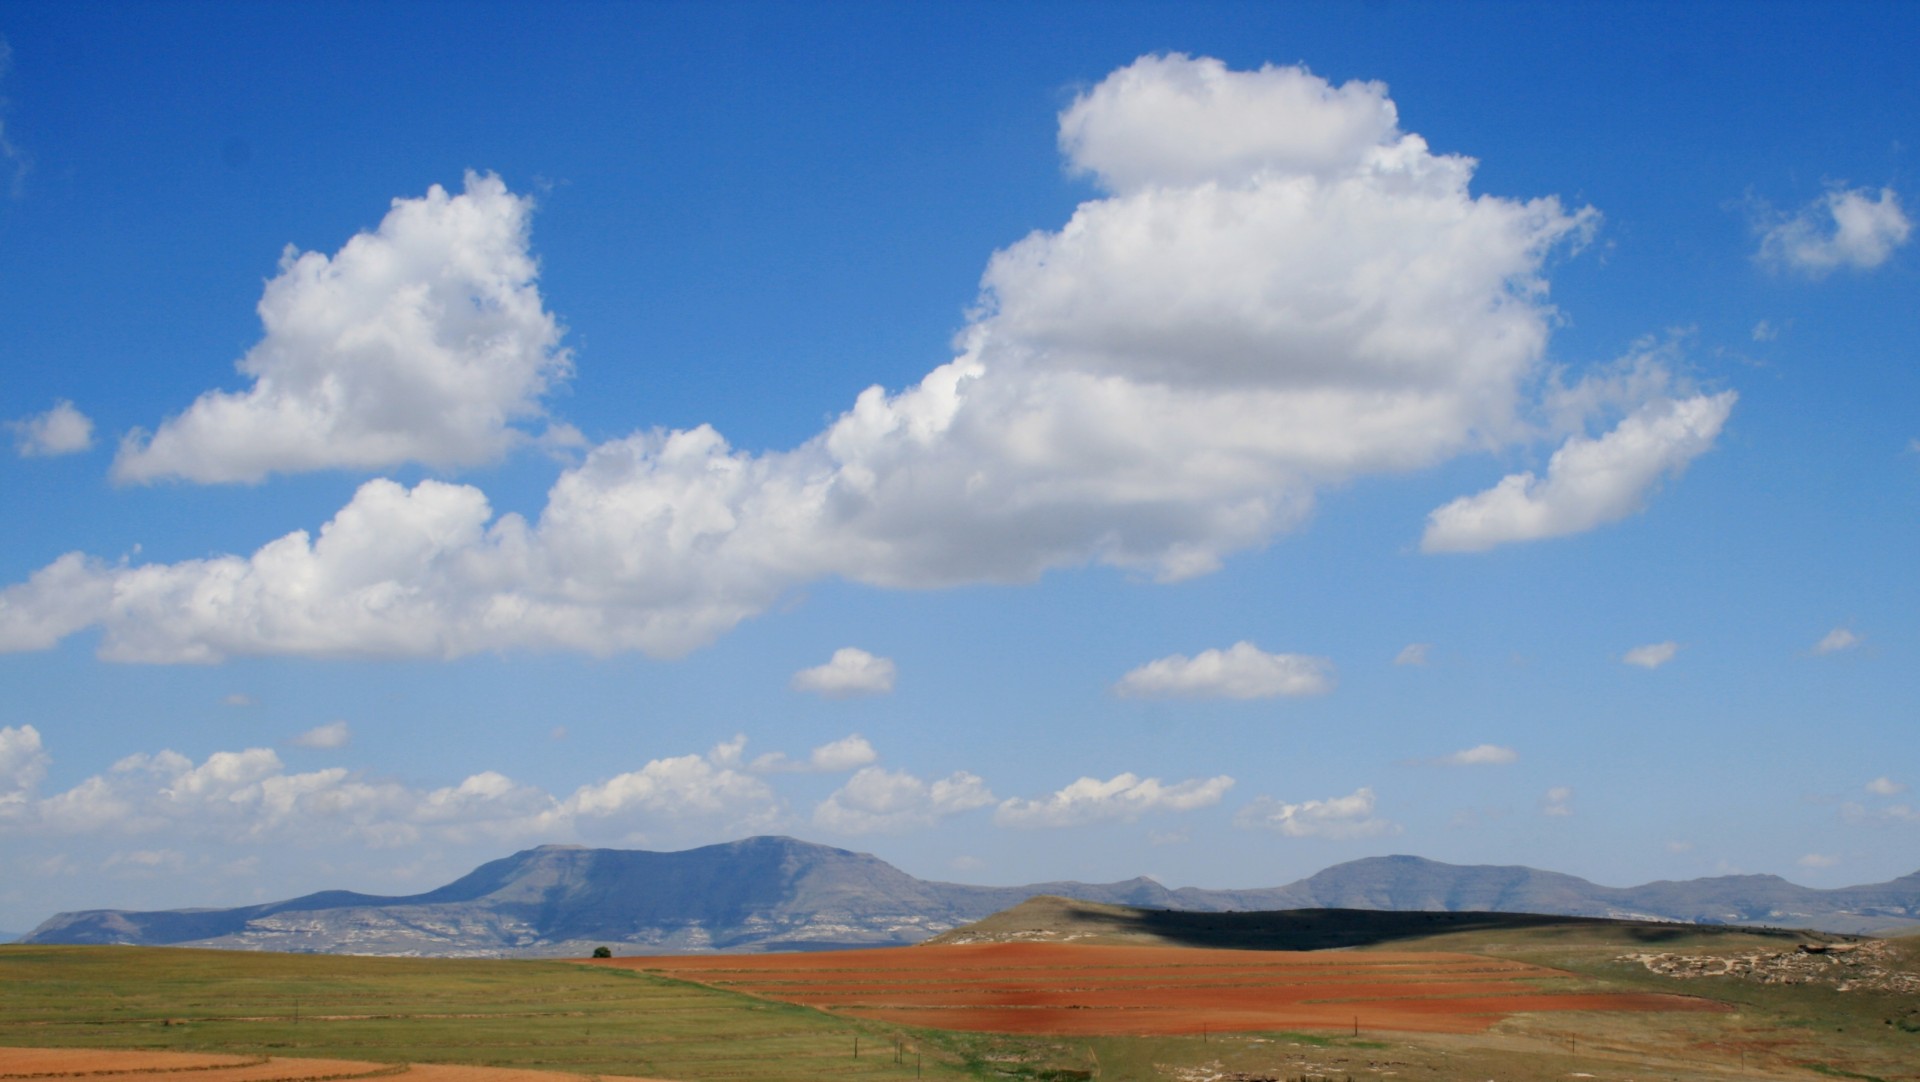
point(1088, 989)
point(76, 1064)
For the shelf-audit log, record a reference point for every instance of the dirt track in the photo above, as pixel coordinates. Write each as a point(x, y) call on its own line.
point(1087, 989)
point(83, 1065)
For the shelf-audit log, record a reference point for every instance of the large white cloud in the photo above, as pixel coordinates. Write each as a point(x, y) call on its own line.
point(1124, 796)
point(1589, 482)
point(422, 341)
point(1242, 671)
point(1854, 228)
point(1282, 291)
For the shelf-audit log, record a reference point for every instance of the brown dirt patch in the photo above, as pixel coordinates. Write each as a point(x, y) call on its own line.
point(1091, 989)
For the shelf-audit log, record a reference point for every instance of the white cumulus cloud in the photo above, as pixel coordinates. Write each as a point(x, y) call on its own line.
point(1278, 291)
point(851, 671)
point(1885, 786)
point(1590, 481)
point(1242, 671)
point(1854, 228)
point(1414, 653)
point(62, 430)
point(1652, 655)
point(423, 341)
point(1124, 796)
point(1341, 817)
point(881, 801)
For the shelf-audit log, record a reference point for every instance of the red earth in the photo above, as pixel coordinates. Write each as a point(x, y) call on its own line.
point(1086, 989)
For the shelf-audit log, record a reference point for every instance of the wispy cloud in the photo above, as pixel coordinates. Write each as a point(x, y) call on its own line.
point(334, 734)
point(1557, 802)
point(1652, 655)
point(1836, 641)
point(1480, 755)
point(1342, 817)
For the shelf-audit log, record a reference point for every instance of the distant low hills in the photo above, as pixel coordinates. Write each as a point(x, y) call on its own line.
point(1050, 919)
point(782, 894)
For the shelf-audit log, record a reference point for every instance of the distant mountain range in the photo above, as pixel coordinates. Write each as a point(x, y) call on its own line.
point(782, 894)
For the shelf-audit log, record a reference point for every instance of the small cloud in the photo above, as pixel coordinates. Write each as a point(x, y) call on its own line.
point(1340, 817)
point(1885, 786)
point(728, 752)
point(1125, 796)
point(61, 430)
point(1837, 640)
point(1679, 847)
point(1764, 331)
point(148, 859)
point(1414, 653)
point(1817, 860)
point(852, 671)
point(1651, 656)
point(1242, 671)
point(966, 864)
point(1481, 755)
point(1893, 813)
point(559, 732)
point(239, 699)
point(843, 754)
point(1558, 802)
point(1855, 228)
point(333, 734)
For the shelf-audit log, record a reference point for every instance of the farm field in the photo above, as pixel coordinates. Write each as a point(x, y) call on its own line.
point(1075, 989)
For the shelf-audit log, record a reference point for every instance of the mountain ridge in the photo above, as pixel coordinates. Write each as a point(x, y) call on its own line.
point(776, 893)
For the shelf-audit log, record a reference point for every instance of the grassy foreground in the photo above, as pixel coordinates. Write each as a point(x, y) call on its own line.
point(540, 1015)
point(555, 1015)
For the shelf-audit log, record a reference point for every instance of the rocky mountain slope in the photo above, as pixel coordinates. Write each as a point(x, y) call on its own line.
point(783, 894)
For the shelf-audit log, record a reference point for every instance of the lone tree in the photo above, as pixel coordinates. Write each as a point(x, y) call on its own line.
point(603, 952)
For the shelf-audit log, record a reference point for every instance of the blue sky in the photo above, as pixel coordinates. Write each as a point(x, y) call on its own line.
point(1024, 442)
